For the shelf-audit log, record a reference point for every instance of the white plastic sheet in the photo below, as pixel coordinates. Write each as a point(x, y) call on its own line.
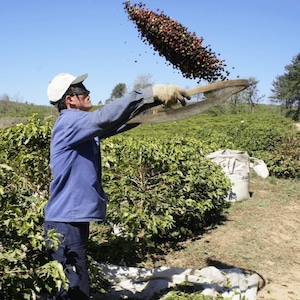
point(142, 283)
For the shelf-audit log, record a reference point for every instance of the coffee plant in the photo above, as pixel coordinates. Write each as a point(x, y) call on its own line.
point(170, 191)
point(284, 162)
point(25, 270)
point(180, 47)
point(26, 147)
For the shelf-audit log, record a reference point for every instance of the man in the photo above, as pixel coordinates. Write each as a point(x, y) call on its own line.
point(76, 194)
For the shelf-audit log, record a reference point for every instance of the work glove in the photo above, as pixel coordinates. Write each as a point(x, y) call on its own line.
point(169, 94)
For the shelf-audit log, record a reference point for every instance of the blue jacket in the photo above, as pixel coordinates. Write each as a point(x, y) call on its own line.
point(76, 193)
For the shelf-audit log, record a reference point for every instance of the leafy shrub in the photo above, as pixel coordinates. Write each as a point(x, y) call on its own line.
point(185, 291)
point(285, 161)
point(26, 147)
point(24, 266)
point(170, 189)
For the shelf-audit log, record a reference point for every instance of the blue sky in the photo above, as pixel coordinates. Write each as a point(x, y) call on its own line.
point(41, 38)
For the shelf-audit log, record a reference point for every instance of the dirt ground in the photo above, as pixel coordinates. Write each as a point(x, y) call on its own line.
point(261, 234)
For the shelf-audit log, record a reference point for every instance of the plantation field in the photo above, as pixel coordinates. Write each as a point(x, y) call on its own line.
point(167, 197)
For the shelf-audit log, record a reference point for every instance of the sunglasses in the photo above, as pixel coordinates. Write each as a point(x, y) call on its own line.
point(80, 91)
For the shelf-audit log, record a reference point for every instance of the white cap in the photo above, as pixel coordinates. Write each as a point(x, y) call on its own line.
point(60, 84)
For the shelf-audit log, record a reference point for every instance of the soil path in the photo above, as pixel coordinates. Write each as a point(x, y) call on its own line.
point(260, 235)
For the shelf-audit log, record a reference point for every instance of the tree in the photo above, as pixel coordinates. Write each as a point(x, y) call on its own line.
point(249, 95)
point(286, 87)
point(5, 97)
point(118, 91)
point(280, 87)
point(142, 81)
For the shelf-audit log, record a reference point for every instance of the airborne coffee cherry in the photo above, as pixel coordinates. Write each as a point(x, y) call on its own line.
point(176, 44)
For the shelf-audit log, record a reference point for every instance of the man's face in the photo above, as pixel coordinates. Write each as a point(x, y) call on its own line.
point(79, 98)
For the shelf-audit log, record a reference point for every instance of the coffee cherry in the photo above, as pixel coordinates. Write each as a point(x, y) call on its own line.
point(173, 41)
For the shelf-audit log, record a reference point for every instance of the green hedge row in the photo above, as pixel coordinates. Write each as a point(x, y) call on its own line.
point(163, 188)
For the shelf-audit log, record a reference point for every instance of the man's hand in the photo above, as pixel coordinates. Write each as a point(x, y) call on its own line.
point(169, 94)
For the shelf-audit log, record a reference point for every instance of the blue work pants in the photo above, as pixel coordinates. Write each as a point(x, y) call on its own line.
point(71, 253)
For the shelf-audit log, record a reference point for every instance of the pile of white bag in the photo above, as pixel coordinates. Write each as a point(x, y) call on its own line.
point(236, 165)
